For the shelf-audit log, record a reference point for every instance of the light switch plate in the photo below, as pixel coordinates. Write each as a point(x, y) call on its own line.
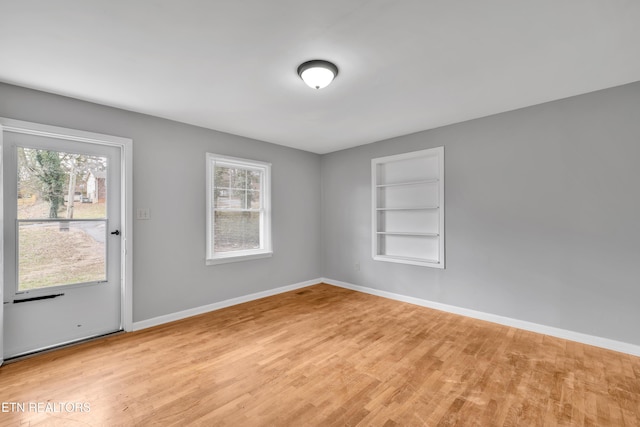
point(143, 213)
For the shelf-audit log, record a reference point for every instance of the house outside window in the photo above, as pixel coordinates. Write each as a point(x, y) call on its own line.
point(238, 209)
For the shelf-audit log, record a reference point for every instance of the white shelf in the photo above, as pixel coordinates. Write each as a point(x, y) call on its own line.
point(416, 208)
point(397, 184)
point(409, 190)
point(407, 260)
point(408, 233)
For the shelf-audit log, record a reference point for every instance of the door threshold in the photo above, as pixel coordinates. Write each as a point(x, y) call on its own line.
point(59, 347)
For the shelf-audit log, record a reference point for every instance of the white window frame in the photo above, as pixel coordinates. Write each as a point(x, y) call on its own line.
point(265, 250)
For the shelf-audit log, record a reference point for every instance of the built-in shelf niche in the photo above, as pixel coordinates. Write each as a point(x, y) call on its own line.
point(408, 208)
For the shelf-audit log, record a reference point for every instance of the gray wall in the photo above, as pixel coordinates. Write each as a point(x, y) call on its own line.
point(169, 272)
point(542, 211)
point(542, 215)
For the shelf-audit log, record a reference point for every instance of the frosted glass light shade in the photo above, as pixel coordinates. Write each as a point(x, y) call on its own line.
point(317, 74)
point(317, 77)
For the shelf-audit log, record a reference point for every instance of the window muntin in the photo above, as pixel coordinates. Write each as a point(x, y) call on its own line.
point(238, 209)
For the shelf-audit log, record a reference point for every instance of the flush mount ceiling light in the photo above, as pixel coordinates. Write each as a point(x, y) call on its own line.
point(317, 73)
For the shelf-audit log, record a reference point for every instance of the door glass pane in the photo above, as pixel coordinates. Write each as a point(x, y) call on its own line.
point(55, 184)
point(56, 253)
point(55, 188)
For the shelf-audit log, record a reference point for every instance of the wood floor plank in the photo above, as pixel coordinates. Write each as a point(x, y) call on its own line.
point(327, 356)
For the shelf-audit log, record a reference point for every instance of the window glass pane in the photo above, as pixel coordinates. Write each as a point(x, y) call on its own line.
point(236, 188)
point(238, 178)
point(60, 253)
point(230, 199)
point(235, 231)
point(253, 199)
point(221, 177)
point(253, 178)
point(55, 184)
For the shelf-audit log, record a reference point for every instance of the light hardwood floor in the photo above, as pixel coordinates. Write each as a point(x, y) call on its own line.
point(324, 355)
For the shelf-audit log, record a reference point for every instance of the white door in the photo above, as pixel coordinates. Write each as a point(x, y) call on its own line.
point(62, 241)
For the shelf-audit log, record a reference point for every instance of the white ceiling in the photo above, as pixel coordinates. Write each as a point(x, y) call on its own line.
point(405, 65)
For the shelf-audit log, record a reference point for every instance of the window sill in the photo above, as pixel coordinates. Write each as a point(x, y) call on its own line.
point(237, 258)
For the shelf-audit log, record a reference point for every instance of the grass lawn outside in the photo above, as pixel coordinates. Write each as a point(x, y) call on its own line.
point(40, 209)
point(49, 256)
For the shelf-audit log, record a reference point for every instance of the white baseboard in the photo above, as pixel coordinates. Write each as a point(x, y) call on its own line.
point(619, 346)
point(143, 324)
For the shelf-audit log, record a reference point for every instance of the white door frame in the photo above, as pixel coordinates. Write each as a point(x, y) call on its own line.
point(126, 191)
